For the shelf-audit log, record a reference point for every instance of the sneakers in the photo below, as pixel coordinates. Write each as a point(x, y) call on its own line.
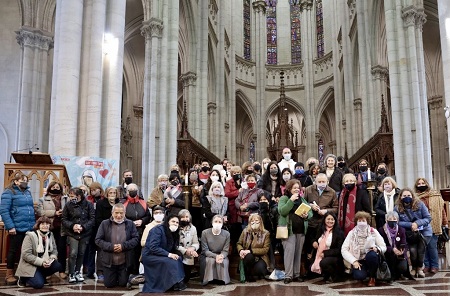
point(420, 273)
point(413, 272)
point(72, 278)
point(21, 283)
point(78, 276)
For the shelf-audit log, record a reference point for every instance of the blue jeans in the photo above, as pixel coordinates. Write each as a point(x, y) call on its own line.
point(38, 280)
point(369, 266)
point(431, 254)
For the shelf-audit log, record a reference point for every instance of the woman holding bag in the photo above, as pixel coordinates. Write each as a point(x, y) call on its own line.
point(296, 229)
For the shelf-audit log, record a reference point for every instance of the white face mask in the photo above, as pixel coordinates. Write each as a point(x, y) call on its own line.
point(287, 156)
point(214, 178)
point(217, 191)
point(158, 217)
point(265, 166)
point(286, 178)
point(361, 225)
point(173, 228)
point(217, 226)
point(255, 226)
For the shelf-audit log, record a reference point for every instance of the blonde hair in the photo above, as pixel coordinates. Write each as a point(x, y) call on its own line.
point(347, 176)
point(255, 216)
point(391, 180)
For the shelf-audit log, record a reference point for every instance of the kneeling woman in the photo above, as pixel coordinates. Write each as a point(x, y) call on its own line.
point(361, 248)
point(163, 266)
point(39, 254)
point(214, 258)
point(253, 247)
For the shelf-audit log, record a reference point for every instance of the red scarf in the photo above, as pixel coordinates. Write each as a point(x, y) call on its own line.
point(346, 220)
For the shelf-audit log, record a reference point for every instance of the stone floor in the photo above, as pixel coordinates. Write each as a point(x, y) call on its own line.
point(433, 284)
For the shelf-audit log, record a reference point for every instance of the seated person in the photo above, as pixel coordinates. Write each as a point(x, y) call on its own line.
point(396, 248)
point(214, 262)
point(39, 255)
point(253, 248)
point(328, 244)
point(361, 248)
point(189, 244)
point(163, 266)
point(116, 238)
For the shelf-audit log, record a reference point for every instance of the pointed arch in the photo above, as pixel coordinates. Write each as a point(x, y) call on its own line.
point(323, 102)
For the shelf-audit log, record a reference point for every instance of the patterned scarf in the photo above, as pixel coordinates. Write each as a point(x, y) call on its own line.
point(346, 220)
point(435, 204)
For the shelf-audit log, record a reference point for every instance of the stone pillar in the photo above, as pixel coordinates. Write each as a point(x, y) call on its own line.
point(440, 141)
point(259, 7)
point(188, 81)
point(412, 147)
point(152, 30)
point(444, 16)
point(379, 77)
point(113, 80)
point(358, 134)
point(34, 108)
point(66, 77)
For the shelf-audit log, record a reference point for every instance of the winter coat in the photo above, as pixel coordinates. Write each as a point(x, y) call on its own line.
point(82, 213)
point(257, 243)
point(17, 209)
point(421, 217)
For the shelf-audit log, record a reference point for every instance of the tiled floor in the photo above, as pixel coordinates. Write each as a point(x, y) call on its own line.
point(437, 284)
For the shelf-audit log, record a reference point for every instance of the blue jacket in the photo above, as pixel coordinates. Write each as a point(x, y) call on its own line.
point(17, 209)
point(421, 217)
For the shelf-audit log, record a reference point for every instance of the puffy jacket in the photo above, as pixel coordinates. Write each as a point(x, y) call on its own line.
point(82, 213)
point(421, 217)
point(17, 209)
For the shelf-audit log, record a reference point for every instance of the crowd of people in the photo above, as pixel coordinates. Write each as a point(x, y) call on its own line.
point(322, 220)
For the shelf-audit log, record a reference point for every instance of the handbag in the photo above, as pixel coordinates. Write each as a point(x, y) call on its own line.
point(412, 237)
point(444, 236)
point(383, 271)
point(282, 232)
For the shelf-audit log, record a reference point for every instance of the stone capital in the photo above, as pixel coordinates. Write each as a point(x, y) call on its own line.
point(259, 6)
point(34, 38)
point(380, 72)
point(152, 28)
point(413, 16)
point(138, 111)
point(188, 79)
point(212, 108)
point(357, 103)
point(306, 5)
point(435, 102)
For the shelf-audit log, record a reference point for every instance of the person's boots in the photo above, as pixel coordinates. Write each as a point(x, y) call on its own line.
point(10, 279)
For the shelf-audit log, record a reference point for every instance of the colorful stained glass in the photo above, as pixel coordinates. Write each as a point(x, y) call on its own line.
point(247, 51)
point(319, 29)
point(271, 17)
point(296, 40)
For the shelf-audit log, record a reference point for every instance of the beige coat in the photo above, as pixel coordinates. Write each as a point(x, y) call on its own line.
point(260, 243)
point(29, 259)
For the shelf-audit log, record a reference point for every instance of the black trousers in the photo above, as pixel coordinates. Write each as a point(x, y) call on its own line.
point(61, 246)
point(116, 275)
point(15, 244)
point(254, 267)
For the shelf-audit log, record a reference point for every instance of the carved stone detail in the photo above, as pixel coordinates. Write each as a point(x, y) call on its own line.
point(138, 111)
point(34, 38)
point(380, 72)
point(127, 133)
point(435, 102)
point(357, 103)
point(188, 79)
point(259, 6)
point(152, 28)
point(212, 108)
point(413, 16)
point(352, 7)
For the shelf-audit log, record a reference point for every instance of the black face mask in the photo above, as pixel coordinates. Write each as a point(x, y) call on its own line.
point(341, 164)
point(381, 171)
point(264, 205)
point(23, 185)
point(363, 168)
point(205, 169)
point(174, 182)
point(350, 187)
point(55, 191)
point(257, 167)
point(249, 172)
point(422, 188)
point(236, 177)
point(392, 224)
point(184, 223)
point(128, 180)
point(132, 193)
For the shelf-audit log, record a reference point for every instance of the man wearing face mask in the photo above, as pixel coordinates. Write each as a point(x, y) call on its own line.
point(136, 210)
point(17, 212)
point(205, 170)
point(157, 195)
point(363, 175)
point(127, 179)
point(287, 161)
point(117, 238)
point(322, 199)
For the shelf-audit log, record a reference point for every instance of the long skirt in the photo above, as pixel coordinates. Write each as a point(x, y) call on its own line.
point(210, 270)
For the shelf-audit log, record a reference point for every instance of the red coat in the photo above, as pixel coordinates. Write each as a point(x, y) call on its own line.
point(231, 192)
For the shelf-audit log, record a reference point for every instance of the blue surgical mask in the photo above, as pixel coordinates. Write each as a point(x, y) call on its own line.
point(321, 187)
point(299, 171)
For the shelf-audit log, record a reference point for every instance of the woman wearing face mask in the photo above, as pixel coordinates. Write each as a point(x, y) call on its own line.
point(253, 248)
point(39, 255)
point(396, 248)
point(415, 218)
point(157, 195)
point(363, 175)
point(351, 201)
point(327, 249)
point(17, 212)
point(78, 220)
point(297, 228)
point(435, 204)
point(189, 244)
point(286, 175)
point(214, 262)
point(380, 173)
point(386, 200)
point(361, 249)
point(232, 189)
point(173, 196)
point(163, 266)
point(215, 203)
point(51, 206)
point(271, 181)
point(158, 218)
point(247, 201)
point(265, 165)
point(213, 177)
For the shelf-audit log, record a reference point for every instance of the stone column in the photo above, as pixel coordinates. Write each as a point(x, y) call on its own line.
point(440, 141)
point(113, 80)
point(444, 16)
point(152, 30)
point(259, 7)
point(379, 77)
point(66, 78)
point(34, 108)
point(188, 81)
point(358, 134)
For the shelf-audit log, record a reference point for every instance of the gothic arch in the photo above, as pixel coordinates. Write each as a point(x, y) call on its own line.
point(327, 98)
point(38, 14)
point(379, 51)
point(187, 37)
point(244, 126)
point(290, 101)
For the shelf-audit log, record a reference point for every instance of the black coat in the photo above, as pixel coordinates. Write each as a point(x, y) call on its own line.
point(102, 211)
point(380, 208)
point(82, 213)
point(335, 181)
point(103, 241)
point(336, 243)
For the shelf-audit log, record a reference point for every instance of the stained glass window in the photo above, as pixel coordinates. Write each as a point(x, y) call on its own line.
point(247, 52)
point(319, 28)
point(296, 40)
point(271, 16)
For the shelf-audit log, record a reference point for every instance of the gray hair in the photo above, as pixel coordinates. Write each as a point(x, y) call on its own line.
point(217, 216)
point(184, 213)
point(214, 185)
point(392, 214)
point(163, 176)
point(331, 155)
point(118, 205)
point(132, 185)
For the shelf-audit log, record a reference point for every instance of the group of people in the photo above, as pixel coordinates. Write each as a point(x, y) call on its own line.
point(325, 219)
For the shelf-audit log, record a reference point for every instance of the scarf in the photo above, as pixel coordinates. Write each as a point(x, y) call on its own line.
point(391, 234)
point(389, 200)
point(346, 220)
point(43, 239)
point(435, 204)
point(315, 267)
